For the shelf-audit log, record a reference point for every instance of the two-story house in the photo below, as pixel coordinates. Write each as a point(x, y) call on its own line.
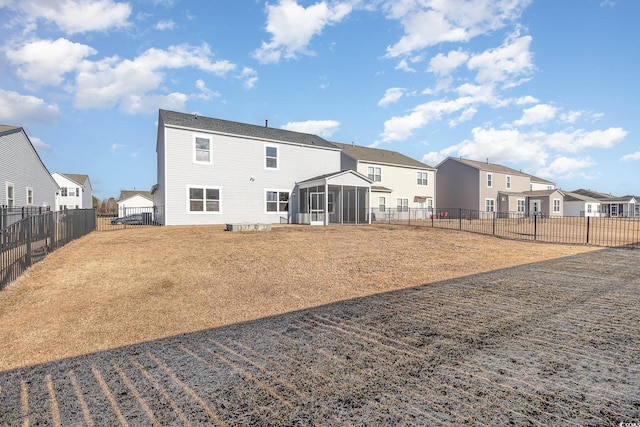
point(213, 171)
point(399, 182)
point(75, 192)
point(488, 187)
point(24, 179)
point(613, 206)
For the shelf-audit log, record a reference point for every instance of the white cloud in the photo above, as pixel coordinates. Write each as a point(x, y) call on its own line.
point(540, 113)
point(293, 26)
point(403, 65)
point(446, 64)
point(205, 93)
point(579, 140)
point(40, 145)
point(427, 23)
point(566, 167)
point(510, 63)
point(17, 109)
point(116, 147)
point(391, 96)
point(78, 16)
point(250, 77)
point(464, 117)
point(323, 128)
point(111, 81)
point(526, 100)
point(45, 62)
point(165, 25)
point(632, 156)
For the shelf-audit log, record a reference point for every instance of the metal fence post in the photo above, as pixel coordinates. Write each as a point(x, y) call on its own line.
point(588, 230)
point(28, 242)
point(535, 226)
point(460, 217)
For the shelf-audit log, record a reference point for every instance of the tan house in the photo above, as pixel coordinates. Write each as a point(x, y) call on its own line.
point(489, 187)
point(399, 183)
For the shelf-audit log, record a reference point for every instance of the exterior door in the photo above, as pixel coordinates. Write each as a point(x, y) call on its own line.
point(316, 208)
point(534, 207)
point(614, 210)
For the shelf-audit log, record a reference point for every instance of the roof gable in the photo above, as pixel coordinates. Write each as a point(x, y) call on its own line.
point(197, 122)
point(376, 155)
point(486, 166)
point(127, 194)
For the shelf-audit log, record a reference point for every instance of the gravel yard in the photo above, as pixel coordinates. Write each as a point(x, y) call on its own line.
point(408, 334)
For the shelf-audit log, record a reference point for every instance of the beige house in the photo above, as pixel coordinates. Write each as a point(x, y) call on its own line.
point(489, 187)
point(399, 183)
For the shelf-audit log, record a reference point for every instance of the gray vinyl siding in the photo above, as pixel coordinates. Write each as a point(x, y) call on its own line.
point(21, 166)
point(347, 162)
point(238, 170)
point(159, 194)
point(458, 186)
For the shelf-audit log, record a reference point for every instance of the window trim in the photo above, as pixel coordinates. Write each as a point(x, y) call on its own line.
point(382, 207)
point(205, 188)
point(277, 191)
point(508, 182)
point(29, 195)
point(370, 174)
point(493, 204)
point(266, 158)
point(489, 180)
point(554, 206)
point(524, 205)
point(195, 151)
point(400, 205)
point(422, 178)
point(13, 193)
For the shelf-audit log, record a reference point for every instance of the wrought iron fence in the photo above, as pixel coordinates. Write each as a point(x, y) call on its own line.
point(28, 240)
point(598, 231)
point(9, 215)
point(129, 217)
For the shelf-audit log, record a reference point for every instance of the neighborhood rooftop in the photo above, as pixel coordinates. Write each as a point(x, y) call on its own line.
point(492, 167)
point(377, 155)
point(195, 121)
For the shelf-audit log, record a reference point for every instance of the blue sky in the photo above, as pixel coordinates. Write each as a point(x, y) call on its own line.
point(546, 86)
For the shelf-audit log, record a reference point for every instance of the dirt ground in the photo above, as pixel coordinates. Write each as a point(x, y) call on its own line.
point(541, 344)
point(112, 289)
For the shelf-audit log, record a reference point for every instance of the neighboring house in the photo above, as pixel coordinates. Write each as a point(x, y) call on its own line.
point(213, 171)
point(536, 184)
point(613, 206)
point(489, 187)
point(24, 179)
point(132, 201)
point(398, 182)
point(576, 204)
point(75, 192)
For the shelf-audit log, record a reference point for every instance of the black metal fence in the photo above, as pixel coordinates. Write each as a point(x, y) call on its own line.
point(598, 231)
point(129, 217)
point(27, 241)
point(10, 215)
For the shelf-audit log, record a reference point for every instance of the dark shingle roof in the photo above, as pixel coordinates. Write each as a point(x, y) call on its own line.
point(125, 194)
point(534, 178)
point(8, 128)
point(572, 197)
point(194, 121)
point(80, 179)
point(490, 167)
point(377, 155)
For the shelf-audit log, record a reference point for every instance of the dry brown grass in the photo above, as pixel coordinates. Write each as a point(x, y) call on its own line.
point(111, 289)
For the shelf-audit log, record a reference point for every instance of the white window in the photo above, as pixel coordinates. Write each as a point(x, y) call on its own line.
point(382, 203)
point(422, 178)
point(403, 205)
point(430, 204)
point(508, 182)
point(375, 174)
point(277, 201)
point(72, 192)
point(10, 195)
point(202, 150)
point(271, 157)
point(556, 205)
point(549, 187)
point(530, 187)
point(588, 207)
point(204, 199)
point(489, 179)
point(521, 205)
point(489, 205)
point(330, 203)
point(29, 196)
point(78, 192)
point(63, 191)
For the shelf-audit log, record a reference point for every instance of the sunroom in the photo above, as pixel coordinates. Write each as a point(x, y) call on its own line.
point(337, 198)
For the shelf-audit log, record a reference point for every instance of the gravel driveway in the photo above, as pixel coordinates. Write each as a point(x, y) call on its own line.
point(552, 343)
